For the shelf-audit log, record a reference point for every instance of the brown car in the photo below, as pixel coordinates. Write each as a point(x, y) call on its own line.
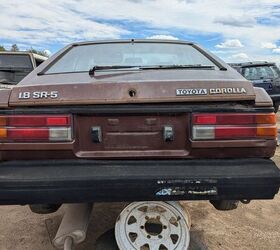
point(131, 120)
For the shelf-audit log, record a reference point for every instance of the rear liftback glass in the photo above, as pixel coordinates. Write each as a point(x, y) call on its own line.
point(15, 61)
point(261, 72)
point(83, 57)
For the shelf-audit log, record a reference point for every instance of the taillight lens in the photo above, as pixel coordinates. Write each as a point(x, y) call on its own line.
point(233, 126)
point(22, 128)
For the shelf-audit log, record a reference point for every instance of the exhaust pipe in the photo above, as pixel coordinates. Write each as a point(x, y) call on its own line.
point(73, 227)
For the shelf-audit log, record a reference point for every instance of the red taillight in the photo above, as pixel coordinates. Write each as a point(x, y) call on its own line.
point(59, 121)
point(36, 120)
point(20, 128)
point(204, 119)
point(26, 134)
point(234, 126)
point(233, 119)
point(234, 132)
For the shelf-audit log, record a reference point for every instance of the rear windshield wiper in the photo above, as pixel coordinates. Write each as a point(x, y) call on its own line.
point(108, 67)
point(183, 66)
point(179, 66)
point(154, 67)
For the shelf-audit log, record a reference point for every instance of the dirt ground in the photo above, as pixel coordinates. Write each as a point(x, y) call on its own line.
point(253, 226)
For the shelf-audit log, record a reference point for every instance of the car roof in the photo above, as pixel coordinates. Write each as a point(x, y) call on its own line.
point(36, 56)
point(39, 57)
point(174, 41)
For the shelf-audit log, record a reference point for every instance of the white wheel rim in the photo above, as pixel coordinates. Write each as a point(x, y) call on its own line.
point(153, 226)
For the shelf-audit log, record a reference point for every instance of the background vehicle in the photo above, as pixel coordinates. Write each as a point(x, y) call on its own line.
point(264, 75)
point(14, 66)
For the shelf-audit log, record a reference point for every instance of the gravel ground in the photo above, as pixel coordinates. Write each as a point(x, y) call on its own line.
point(252, 226)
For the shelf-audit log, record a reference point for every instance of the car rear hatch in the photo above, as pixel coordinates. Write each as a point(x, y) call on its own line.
point(263, 75)
point(155, 86)
point(267, 84)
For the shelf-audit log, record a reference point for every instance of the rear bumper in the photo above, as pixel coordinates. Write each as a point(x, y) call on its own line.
point(67, 181)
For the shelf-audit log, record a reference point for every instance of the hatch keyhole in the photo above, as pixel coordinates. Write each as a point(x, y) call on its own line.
point(132, 92)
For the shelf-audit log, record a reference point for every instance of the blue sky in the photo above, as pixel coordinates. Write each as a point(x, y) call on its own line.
point(233, 30)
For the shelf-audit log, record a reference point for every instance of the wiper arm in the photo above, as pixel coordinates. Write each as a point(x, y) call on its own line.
point(183, 66)
point(155, 67)
point(179, 66)
point(107, 67)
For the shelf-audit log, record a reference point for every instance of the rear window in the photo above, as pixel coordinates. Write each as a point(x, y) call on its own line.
point(15, 61)
point(84, 57)
point(261, 72)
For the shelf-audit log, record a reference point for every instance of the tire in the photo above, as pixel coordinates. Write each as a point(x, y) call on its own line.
point(276, 107)
point(153, 225)
point(225, 205)
point(106, 241)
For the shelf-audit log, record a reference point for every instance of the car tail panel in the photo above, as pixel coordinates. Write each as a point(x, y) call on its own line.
point(126, 135)
point(182, 131)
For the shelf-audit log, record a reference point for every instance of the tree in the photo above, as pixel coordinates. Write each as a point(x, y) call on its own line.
point(2, 48)
point(39, 52)
point(14, 48)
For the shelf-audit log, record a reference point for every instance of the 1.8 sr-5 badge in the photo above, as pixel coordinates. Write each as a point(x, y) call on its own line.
point(38, 95)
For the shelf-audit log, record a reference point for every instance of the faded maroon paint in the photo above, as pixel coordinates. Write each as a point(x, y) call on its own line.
point(4, 98)
point(132, 133)
point(146, 92)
